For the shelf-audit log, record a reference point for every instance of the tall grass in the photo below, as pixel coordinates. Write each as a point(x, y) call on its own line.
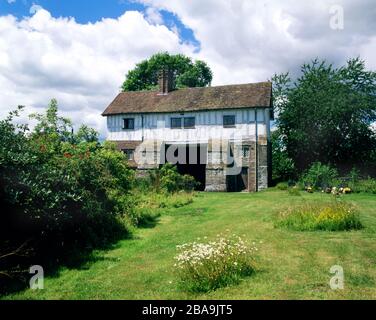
point(363, 186)
point(333, 216)
point(148, 207)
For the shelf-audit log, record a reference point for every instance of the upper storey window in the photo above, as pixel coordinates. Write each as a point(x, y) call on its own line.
point(128, 124)
point(189, 123)
point(186, 123)
point(176, 123)
point(228, 121)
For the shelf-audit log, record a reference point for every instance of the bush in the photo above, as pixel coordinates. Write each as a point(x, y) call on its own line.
point(294, 191)
point(58, 192)
point(320, 176)
point(143, 215)
point(282, 186)
point(366, 186)
point(148, 207)
point(335, 216)
point(168, 179)
point(204, 267)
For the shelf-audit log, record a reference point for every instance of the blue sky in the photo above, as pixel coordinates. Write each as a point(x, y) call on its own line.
point(82, 10)
point(83, 62)
point(90, 11)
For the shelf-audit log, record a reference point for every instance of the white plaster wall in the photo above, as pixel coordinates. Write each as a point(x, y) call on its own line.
point(209, 125)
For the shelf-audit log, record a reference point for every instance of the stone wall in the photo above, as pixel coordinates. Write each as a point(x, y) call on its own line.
point(215, 168)
point(263, 164)
point(218, 173)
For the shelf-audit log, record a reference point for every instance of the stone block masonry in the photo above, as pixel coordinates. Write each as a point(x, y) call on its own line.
point(230, 166)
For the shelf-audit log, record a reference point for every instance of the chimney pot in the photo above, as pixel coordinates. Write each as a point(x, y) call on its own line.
point(166, 81)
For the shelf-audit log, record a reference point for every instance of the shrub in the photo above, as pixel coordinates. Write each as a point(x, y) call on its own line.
point(58, 192)
point(366, 186)
point(334, 216)
point(143, 215)
point(168, 179)
point(282, 186)
point(294, 191)
point(320, 176)
point(188, 183)
point(203, 267)
point(148, 207)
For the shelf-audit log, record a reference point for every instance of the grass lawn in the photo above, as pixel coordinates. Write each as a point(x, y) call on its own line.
point(292, 265)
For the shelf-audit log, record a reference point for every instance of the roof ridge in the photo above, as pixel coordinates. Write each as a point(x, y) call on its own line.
point(198, 88)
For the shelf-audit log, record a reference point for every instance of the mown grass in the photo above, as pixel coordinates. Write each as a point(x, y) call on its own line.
point(292, 264)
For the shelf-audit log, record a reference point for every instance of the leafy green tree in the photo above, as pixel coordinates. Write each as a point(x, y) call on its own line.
point(86, 134)
point(187, 73)
point(51, 124)
point(326, 114)
point(283, 166)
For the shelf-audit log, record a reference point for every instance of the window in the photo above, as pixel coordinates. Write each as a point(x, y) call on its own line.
point(245, 152)
point(228, 121)
point(128, 124)
point(129, 153)
point(176, 123)
point(189, 123)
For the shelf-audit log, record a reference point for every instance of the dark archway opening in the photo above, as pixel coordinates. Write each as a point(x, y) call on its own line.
point(189, 159)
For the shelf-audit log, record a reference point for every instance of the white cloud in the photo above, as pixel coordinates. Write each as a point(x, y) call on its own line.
point(153, 16)
point(82, 65)
point(246, 41)
point(35, 8)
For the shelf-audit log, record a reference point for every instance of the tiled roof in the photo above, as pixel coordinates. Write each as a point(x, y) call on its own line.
point(193, 99)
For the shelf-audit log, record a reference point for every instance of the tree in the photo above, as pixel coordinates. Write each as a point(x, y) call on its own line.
point(86, 134)
point(187, 73)
point(51, 124)
point(283, 166)
point(326, 114)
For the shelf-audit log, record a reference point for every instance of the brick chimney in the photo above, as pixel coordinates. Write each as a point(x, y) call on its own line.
point(165, 81)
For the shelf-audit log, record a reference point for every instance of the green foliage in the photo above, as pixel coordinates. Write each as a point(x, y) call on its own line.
point(204, 267)
point(363, 185)
point(283, 166)
point(294, 191)
point(325, 115)
point(334, 216)
point(188, 74)
point(60, 191)
point(86, 134)
point(171, 181)
point(167, 179)
point(149, 206)
point(282, 186)
point(320, 176)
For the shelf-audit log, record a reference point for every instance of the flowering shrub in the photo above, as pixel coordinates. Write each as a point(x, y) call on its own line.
point(62, 194)
point(335, 216)
point(207, 266)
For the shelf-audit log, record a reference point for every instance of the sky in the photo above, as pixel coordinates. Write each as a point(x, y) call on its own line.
point(79, 51)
